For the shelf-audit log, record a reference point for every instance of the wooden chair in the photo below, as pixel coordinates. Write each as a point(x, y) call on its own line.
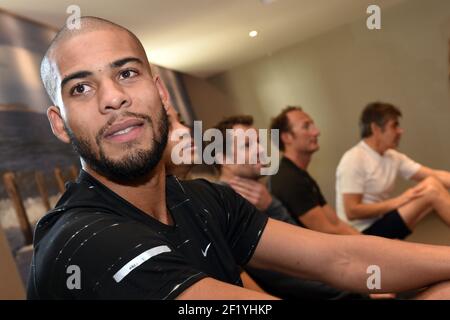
point(59, 179)
point(9, 181)
point(42, 188)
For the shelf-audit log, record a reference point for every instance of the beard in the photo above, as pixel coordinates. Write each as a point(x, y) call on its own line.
point(133, 168)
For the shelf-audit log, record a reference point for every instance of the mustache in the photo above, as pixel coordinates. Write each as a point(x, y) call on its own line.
point(125, 114)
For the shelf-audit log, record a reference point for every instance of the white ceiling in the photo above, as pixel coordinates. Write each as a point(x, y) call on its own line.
point(205, 37)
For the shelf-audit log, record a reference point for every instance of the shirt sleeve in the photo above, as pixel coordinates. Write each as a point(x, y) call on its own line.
point(350, 174)
point(407, 167)
point(300, 195)
point(243, 224)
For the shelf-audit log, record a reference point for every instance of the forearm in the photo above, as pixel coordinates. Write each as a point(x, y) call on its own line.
point(372, 210)
point(344, 228)
point(340, 227)
point(343, 261)
point(403, 266)
point(321, 224)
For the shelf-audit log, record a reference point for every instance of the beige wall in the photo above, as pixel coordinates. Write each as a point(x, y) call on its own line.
point(334, 75)
point(210, 103)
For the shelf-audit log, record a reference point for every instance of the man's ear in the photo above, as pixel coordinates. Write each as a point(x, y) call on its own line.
point(286, 137)
point(374, 128)
point(163, 93)
point(57, 124)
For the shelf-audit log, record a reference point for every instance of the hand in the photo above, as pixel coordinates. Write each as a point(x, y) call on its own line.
point(255, 192)
point(379, 296)
point(410, 194)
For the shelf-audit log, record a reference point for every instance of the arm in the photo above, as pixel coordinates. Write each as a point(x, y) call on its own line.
point(317, 219)
point(343, 260)
point(249, 283)
point(209, 288)
point(355, 209)
point(441, 175)
point(342, 227)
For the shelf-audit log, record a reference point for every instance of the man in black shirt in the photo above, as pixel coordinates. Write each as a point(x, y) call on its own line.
point(293, 185)
point(124, 230)
point(140, 257)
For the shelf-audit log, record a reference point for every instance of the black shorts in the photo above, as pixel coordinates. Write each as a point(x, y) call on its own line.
point(391, 226)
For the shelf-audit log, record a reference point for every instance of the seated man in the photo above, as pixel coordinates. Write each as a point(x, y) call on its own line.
point(126, 231)
point(245, 179)
point(366, 175)
point(293, 185)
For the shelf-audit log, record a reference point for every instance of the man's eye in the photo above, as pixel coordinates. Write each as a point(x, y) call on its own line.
point(127, 74)
point(79, 89)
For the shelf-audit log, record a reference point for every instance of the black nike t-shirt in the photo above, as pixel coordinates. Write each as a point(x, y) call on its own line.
point(119, 252)
point(296, 189)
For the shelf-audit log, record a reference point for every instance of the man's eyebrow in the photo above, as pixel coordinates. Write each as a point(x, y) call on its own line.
point(75, 75)
point(83, 74)
point(119, 63)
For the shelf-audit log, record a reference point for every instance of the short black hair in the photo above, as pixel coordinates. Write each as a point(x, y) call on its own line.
point(379, 113)
point(229, 123)
point(282, 124)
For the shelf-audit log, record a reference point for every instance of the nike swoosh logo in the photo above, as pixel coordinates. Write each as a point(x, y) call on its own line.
point(206, 250)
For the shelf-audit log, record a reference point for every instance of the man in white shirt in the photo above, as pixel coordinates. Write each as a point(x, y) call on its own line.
point(366, 175)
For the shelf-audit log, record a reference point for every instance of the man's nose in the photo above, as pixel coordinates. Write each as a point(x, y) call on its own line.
point(112, 97)
point(316, 131)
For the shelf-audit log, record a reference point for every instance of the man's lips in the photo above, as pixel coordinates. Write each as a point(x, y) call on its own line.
point(125, 131)
point(123, 127)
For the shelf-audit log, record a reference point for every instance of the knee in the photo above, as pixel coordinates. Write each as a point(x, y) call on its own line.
point(433, 186)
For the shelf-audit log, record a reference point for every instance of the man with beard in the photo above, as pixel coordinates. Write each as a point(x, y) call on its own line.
point(366, 175)
point(124, 231)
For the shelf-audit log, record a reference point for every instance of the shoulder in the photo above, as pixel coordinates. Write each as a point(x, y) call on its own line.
point(395, 155)
point(99, 244)
point(287, 173)
point(354, 156)
point(89, 229)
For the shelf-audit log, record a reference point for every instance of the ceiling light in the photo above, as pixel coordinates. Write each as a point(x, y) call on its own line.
point(253, 33)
